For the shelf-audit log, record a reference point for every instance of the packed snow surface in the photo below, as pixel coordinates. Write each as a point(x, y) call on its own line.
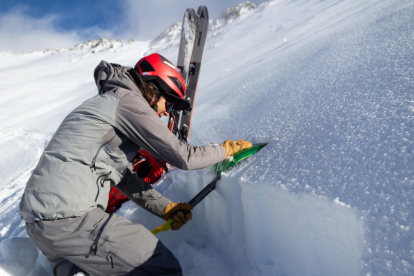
point(329, 84)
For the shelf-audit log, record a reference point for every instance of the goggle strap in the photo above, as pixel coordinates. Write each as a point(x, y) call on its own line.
point(153, 86)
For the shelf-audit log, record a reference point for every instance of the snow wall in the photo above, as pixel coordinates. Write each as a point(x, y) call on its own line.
point(245, 228)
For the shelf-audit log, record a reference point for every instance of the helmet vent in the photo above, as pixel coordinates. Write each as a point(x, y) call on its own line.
point(177, 83)
point(146, 66)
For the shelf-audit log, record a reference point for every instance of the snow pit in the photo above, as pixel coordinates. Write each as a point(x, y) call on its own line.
point(245, 228)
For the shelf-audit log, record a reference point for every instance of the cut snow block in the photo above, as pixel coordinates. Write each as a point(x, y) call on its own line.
point(299, 234)
point(19, 255)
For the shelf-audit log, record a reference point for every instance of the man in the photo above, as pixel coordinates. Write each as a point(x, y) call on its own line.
point(64, 200)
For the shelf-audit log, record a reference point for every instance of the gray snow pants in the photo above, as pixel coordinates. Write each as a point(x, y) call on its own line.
point(101, 244)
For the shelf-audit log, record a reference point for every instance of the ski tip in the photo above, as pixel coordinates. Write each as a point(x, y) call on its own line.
point(202, 12)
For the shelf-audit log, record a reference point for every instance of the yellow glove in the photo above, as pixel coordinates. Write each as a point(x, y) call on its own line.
point(232, 147)
point(173, 211)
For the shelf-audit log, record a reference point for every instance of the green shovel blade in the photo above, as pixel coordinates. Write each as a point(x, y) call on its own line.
point(236, 158)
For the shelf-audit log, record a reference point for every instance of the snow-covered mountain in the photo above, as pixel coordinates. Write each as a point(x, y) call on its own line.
point(93, 46)
point(327, 83)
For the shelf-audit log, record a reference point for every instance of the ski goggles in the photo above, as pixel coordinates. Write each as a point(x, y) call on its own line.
point(169, 105)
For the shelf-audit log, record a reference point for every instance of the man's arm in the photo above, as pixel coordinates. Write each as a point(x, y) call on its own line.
point(139, 123)
point(142, 193)
point(145, 196)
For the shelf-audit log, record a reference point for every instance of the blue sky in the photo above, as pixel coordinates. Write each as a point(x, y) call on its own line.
point(74, 14)
point(38, 24)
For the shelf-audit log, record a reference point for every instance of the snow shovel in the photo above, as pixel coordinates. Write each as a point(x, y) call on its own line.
point(218, 168)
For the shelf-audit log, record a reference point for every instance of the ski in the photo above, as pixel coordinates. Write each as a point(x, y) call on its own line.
point(184, 55)
point(194, 71)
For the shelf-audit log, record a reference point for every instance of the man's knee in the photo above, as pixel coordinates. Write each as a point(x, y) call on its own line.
point(162, 262)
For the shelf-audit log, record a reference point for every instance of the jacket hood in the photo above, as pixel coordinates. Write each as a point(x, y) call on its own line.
point(110, 76)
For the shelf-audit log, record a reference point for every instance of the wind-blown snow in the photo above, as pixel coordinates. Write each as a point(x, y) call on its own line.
point(188, 36)
point(328, 83)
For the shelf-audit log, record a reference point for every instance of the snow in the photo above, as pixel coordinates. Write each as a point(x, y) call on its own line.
point(327, 83)
point(188, 36)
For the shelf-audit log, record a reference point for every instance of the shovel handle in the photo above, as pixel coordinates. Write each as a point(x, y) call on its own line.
point(164, 227)
point(204, 192)
point(197, 199)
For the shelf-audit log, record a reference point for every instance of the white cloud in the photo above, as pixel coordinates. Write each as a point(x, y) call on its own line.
point(20, 32)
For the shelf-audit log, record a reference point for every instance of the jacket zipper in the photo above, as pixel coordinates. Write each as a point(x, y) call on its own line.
point(93, 164)
point(95, 242)
point(111, 253)
point(110, 256)
point(105, 178)
point(102, 182)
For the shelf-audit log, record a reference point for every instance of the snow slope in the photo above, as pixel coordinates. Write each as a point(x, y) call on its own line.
point(328, 83)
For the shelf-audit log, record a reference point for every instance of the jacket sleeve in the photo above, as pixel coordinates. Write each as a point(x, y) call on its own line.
point(139, 122)
point(142, 193)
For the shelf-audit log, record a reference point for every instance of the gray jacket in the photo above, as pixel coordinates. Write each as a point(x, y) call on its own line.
point(93, 147)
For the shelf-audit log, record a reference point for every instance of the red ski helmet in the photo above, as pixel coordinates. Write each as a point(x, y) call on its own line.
point(166, 77)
